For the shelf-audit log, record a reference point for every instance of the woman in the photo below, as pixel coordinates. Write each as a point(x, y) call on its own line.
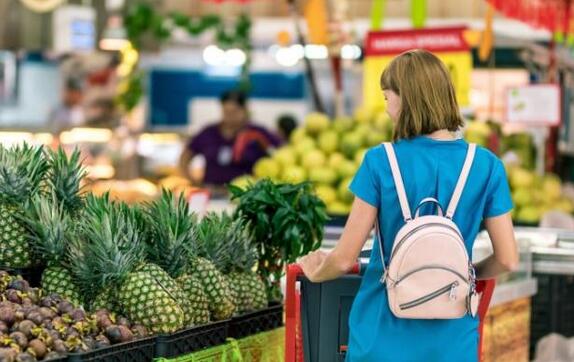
point(421, 101)
point(230, 147)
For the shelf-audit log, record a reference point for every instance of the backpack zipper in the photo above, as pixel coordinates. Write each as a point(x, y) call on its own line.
point(400, 243)
point(450, 288)
point(411, 272)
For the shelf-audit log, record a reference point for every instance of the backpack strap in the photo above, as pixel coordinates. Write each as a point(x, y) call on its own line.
point(398, 181)
point(461, 181)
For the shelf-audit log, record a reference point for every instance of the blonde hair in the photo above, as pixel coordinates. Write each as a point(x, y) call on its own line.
point(428, 100)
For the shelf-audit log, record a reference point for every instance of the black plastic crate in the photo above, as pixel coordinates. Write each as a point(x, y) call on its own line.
point(191, 340)
point(256, 322)
point(32, 275)
point(142, 350)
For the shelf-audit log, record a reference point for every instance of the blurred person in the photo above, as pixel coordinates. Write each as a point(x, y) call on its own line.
point(286, 124)
point(421, 101)
point(231, 147)
point(69, 113)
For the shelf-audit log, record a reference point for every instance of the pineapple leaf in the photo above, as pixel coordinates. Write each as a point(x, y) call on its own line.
point(172, 233)
point(65, 178)
point(22, 170)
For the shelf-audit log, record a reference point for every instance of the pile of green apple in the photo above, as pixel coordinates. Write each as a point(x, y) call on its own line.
point(534, 195)
point(328, 153)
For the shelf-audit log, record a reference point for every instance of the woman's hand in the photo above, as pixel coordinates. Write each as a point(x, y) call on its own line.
point(311, 263)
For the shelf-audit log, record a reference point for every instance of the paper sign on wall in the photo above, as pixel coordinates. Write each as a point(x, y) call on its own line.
point(537, 104)
point(446, 43)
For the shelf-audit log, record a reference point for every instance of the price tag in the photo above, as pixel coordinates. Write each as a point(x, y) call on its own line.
point(198, 199)
point(535, 104)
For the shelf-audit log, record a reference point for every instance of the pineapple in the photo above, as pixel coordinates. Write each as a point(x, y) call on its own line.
point(50, 233)
point(65, 178)
point(171, 231)
point(111, 258)
point(229, 245)
point(22, 169)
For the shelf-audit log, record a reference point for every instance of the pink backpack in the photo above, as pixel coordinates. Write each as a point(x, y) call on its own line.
point(429, 275)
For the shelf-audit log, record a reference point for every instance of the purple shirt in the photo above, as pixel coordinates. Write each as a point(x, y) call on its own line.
point(218, 151)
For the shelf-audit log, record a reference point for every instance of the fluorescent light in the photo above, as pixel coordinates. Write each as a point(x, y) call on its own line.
point(213, 55)
point(314, 51)
point(86, 135)
point(351, 51)
point(235, 57)
point(289, 56)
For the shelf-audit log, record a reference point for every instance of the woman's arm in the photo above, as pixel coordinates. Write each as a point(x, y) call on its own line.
point(184, 160)
point(505, 257)
point(320, 266)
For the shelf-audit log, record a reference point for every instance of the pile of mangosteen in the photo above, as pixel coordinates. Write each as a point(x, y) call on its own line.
point(37, 327)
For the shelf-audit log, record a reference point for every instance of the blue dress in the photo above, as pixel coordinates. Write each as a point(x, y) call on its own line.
point(430, 168)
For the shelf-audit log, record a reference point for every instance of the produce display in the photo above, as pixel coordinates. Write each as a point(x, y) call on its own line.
point(37, 327)
point(328, 153)
point(534, 195)
point(155, 263)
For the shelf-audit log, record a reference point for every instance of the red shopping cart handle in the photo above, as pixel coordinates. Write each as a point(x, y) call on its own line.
point(294, 271)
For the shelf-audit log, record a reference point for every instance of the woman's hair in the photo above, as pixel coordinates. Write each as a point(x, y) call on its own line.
point(428, 100)
point(236, 97)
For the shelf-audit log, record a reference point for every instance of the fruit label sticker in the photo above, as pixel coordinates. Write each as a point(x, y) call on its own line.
point(448, 44)
point(536, 104)
point(198, 200)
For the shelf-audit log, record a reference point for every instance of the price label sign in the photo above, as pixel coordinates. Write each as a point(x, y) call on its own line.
point(535, 104)
point(448, 44)
point(198, 200)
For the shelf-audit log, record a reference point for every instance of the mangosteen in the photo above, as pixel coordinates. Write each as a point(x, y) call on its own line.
point(4, 329)
point(26, 327)
point(37, 348)
point(119, 334)
point(27, 301)
point(123, 321)
point(8, 354)
point(35, 317)
point(78, 315)
point(19, 315)
point(20, 339)
point(7, 315)
point(25, 357)
point(101, 342)
point(19, 284)
point(59, 346)
point(47, 313)
point(65, 307)
point(139, 330)
point(72, 332)
point(103, 320)
point(54, 335)
point(13, 296)
point(89, 342)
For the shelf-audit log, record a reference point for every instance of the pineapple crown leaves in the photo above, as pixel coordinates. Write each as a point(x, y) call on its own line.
point(65, 178)
point(109, 248)
point(22, 169)
point(226, 242)
point(173, 233)
point(50, 229)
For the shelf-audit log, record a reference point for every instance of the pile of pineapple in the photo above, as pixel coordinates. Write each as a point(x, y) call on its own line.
point(155, 263)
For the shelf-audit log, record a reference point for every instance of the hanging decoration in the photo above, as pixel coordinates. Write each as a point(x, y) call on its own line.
point(551, 15)
point(487, 39)
point(377, 14)
point(42, 6)
point(142, 22)
point(315, 13)
point(418, 13)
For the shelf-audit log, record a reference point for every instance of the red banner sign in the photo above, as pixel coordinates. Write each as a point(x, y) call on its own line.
point(431, 39)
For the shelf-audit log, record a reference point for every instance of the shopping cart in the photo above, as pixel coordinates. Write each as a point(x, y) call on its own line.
point(317, 314)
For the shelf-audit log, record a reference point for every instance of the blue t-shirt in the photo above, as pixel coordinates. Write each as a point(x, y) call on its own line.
point(429, 168)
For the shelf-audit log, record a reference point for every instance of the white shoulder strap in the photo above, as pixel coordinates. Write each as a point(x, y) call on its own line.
point(398, 181)
point(461, 181)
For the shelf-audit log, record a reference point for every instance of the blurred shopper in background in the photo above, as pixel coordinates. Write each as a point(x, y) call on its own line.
point(286, 124)
point(232, 146)
point(70, 112)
